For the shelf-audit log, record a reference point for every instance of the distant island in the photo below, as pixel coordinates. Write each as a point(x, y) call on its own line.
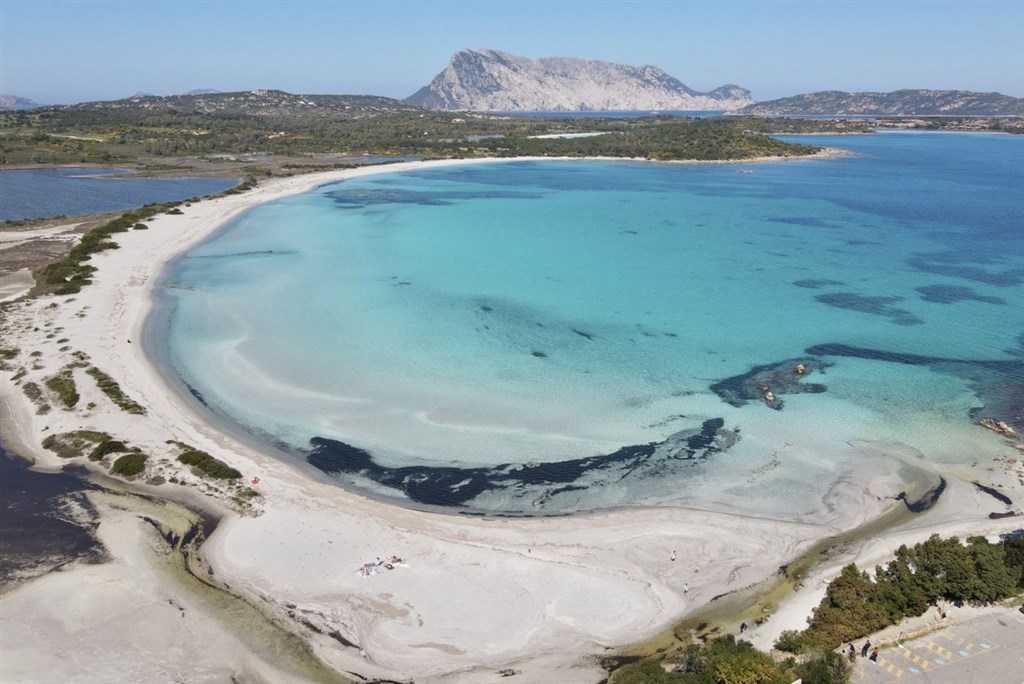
point(16, 102)
point(896, 103)
point(490, 80)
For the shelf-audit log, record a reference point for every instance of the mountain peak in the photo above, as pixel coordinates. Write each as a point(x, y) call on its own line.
point(492, 80)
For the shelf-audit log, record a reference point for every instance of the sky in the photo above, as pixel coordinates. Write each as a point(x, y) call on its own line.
point(64, 51)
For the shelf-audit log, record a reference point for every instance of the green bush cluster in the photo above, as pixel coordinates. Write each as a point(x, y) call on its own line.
point(110, 387)
point(209, 465)
point(110, 446)
point(129, 465)
point(856, 605)
point(73, 444)
point(727, 661)
point(35, 393)
point(63, 385)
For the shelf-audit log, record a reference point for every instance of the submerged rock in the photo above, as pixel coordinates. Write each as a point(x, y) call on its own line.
point(768, 383)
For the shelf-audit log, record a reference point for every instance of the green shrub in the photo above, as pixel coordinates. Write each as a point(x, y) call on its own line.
point(63, 385)
point(856, 605)
point(129, 464)
point(110, 387)
point(110, 446)
point(726, 660)
point(647, 672)
point(790, 641)
point(70, 274)
point(209, 465)
point(73, 444)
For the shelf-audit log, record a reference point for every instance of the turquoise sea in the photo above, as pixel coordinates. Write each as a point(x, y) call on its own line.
point(563, 335)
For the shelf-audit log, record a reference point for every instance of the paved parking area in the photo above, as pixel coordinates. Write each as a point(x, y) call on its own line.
point(984, 650)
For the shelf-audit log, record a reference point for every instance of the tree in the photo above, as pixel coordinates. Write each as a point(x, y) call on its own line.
point(995, 579)
point(898, 590)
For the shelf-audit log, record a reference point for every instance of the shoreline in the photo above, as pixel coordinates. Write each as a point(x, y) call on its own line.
point(477, 594)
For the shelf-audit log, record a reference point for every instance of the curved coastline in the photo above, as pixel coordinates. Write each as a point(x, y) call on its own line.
point(476, 595)
point(155, 346)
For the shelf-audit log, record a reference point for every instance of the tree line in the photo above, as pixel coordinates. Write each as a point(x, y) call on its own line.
point(857, 604)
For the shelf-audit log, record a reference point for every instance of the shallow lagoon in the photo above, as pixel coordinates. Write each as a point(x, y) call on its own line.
point(558, 336)
point(78, 191)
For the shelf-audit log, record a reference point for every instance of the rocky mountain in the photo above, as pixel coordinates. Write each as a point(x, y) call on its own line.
point(896, 103)
point(13, 102)
point(489, 80)
point(268, 103)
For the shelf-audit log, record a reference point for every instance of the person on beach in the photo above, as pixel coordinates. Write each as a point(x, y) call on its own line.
point(673, 556)
point(853, 652)
point(874, 655)
point(865, 648)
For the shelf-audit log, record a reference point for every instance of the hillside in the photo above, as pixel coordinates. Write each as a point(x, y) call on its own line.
point(489, 80)
point(897, 103)
point(307, 130)
point(264, 103)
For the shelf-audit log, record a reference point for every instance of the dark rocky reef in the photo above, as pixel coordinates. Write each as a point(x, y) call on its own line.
point(876, 306)
point(950, 294)
point(538, 483)
point(817, 283)
point(767, 383)
point(998, 382)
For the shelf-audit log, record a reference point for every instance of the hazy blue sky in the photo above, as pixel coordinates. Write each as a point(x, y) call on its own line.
point(57, 51)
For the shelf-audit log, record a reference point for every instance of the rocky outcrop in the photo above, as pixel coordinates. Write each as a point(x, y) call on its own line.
point(999, 427)
point(489, 80)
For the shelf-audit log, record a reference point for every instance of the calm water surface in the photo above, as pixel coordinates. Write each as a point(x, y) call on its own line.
point(78, 191)
point(557, 336)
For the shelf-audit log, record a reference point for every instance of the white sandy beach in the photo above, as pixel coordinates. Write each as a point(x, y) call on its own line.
point(474, 596)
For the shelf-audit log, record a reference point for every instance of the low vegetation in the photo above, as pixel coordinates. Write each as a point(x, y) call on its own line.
point(7, 354)
point(110, 387)
point(75, 444)
point(63, 385)
point(154, 129)
point(726, 660)
point(35, 394)
point(208, 465)
point(70, 274)
point(129, 465)
point(856, 605)
point(110, 446)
